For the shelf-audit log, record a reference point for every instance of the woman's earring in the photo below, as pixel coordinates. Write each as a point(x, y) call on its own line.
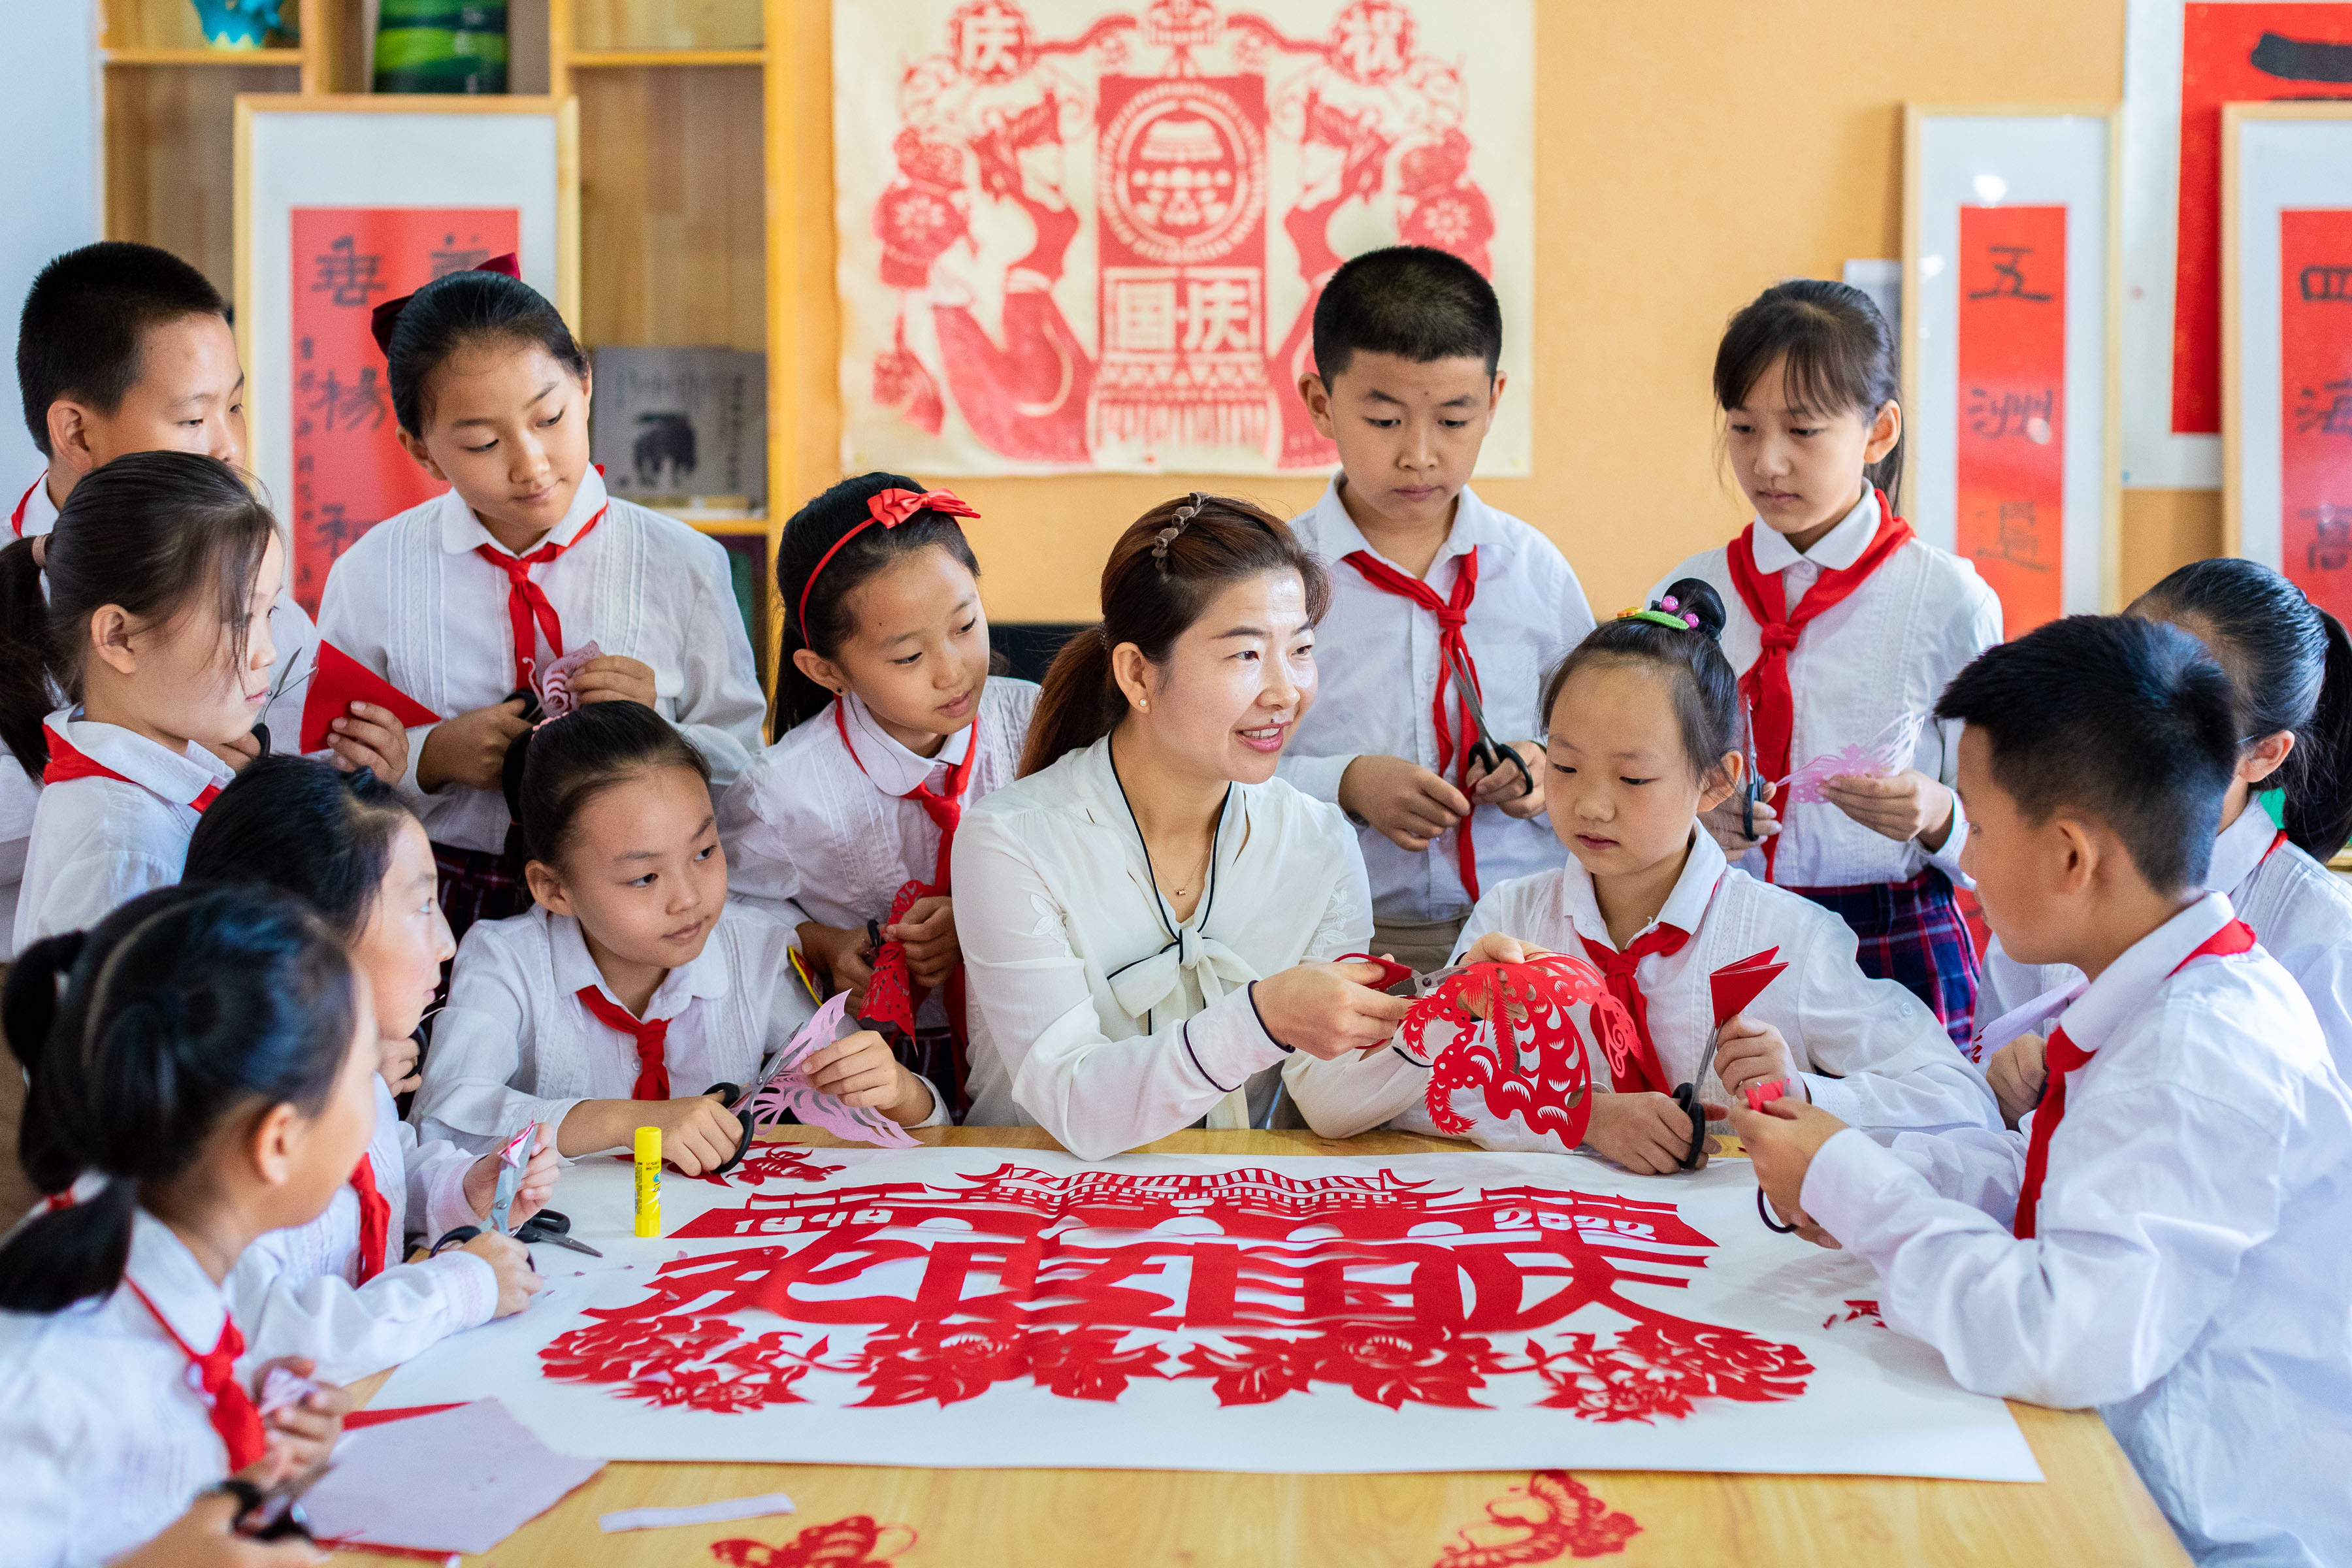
point(1145, 705)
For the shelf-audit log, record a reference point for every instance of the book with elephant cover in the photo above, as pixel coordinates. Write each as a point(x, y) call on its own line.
point(683, 428)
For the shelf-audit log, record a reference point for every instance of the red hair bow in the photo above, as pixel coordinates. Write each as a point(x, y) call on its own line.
point(387, 315)
point(889, 507)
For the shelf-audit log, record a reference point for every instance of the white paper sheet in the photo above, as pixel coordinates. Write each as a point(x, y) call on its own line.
point(761, 1507)
point(457, 1480)
point(1286, 1314)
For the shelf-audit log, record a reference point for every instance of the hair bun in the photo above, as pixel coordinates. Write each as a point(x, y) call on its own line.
point(1697, 602)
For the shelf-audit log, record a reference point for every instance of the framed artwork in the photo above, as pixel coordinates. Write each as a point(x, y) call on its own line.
point(346, 201)
point(1076, 235)
point(2009, 291)
point(2183, 62)
point(2286, 326)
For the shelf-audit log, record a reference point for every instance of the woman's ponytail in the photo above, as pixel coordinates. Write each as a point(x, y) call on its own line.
point(1077, 703)
point(187, 1006)
point(27, 660)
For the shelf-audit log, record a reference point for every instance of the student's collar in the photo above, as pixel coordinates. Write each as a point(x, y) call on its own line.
point(462, 531)
point(176, 1283)
point(176, 776)
point(39, 515)
point(1835, 551)
point(1337, 534)
point(2124, 989)
point(894, 768)
point(705, 977)
point(1684, 908)
point(2240, 849)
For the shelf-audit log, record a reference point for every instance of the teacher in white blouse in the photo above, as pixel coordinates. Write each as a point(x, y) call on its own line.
point(1149, 916)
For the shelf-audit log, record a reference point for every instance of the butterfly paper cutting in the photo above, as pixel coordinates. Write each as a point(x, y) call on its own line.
point(787, 1091)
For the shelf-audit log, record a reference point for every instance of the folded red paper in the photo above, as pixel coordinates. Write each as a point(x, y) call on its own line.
point(1737, 984)
point(337, 681)
point(1760, 1095)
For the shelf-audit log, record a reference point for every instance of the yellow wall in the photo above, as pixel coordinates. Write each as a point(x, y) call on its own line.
point(1690, 156)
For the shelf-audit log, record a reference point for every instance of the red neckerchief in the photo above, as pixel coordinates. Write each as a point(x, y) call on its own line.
point(2274, 847)
point(65, 762)
point(652, 1036)
point(2063, 1056)
point(16, 518)
point(233, 1415)
point(1450, 613)
point(944, 808)
point(527, 602)
point(1644, 1072)
point(1770, 702)
point(375, 1220)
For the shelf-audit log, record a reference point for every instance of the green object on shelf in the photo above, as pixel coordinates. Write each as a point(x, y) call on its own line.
point(243, 24)
point(441, 45)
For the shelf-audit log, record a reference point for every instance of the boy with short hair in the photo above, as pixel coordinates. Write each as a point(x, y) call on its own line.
point(1437, 599)
point(2166, 1241)
point(125, 348)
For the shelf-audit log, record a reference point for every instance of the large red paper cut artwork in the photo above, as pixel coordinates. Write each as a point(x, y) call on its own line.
point(2011, 443)
point(2315, 405)
point(2230, 54)
point(349, 472)
point(1149, 155)
point(1555, 1516)
point(1509, 1031)
point(1293, 1284)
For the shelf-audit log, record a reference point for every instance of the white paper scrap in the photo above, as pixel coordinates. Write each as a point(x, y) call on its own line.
point(456, 1480)
point(759, 1506)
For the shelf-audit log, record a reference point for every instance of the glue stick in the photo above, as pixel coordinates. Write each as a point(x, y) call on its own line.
point(649, 1150)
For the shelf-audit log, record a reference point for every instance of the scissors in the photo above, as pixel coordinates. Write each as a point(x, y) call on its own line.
point(738, 1100)
point(1486, 750)
point(547, 1226)
point(274, 1514)
point(1751, 790)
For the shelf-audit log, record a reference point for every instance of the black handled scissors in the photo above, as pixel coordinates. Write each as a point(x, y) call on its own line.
point(1486, 751)
point(736, 1099)
point(274, 1514)
point(546, 1226)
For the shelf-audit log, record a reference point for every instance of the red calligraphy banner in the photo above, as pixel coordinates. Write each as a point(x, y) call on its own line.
point(2012, 448)
point(349, 472)
point(2315, 405)
point(2233, 53)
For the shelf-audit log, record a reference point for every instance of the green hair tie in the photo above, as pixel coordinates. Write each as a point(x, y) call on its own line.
point(1658, 617)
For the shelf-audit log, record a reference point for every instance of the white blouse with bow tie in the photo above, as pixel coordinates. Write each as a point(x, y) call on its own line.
point(1095, 1013)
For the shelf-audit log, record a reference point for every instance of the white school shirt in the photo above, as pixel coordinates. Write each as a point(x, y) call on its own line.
point(1377, 661)
point(107, 1439)
point(99, 843)
point(516, 1045)
point(1870, 1052)
point(1088, 1018)
point(290, 631)
point(2188, 1276)
point(297, 1292)
point(2301, 912)
point(810, 835)
point(1889, 648)
point(413, 602)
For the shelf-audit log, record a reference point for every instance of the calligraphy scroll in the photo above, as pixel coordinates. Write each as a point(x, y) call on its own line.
point(2315, 405)
point(350, 471)
point(1080, 235)
point(2010, 450)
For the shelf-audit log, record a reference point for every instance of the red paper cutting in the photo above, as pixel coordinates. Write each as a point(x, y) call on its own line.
point(891, 996)
point(1491, 1018)
point(1737, 984)
point(2315, 405)
point(338, 681)
point(853, 1543)
point(1557, 1517)
point(2010, 446)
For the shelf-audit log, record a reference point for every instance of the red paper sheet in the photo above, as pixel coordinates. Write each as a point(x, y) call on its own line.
point(338, 681)
point(2228, 54)
point(349, 472)
point(1737, 984)
point(2315, 405)
point(2011, 446)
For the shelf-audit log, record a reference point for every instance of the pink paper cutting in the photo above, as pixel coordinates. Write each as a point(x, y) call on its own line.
point(788, 1089)
point(555, 699)
point(1882, 756)
point(1737, 984)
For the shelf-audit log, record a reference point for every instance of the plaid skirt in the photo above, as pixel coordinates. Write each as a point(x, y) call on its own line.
point(479, 886)
point(1914, 933)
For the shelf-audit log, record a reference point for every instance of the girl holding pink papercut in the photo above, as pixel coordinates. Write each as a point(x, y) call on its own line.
point(1843, 626)
point(1730, 981)
point(463, 602)
point(634, 985)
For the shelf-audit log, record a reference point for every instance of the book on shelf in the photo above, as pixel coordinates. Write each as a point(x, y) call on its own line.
point(684, 430)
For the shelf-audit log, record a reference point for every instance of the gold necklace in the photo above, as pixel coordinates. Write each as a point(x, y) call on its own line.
point(1198, 870)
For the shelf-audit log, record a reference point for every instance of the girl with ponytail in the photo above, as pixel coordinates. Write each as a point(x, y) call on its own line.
point(159, 579)
point(889, 727)
point(1152, 920)
point(201, 1061)
point(1642, 725)
point(2289, 668)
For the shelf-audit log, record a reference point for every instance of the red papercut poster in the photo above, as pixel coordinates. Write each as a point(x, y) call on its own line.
point(2011, 446)
point(2234, 54)
point(349, 472)
point(2315, 405)
point(1080, 235)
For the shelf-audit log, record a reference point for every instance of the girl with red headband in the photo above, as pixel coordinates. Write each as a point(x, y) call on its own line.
point(1844, 628)
point(889, 727)
point(462, 602)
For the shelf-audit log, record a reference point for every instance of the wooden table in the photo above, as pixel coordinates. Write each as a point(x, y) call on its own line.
point(2091, 1510)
